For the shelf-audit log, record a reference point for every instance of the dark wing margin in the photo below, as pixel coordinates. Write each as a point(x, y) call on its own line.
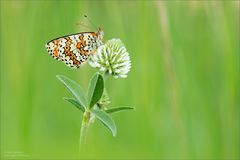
point(68, 36)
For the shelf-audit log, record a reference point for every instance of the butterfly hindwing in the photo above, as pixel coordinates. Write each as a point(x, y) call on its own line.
point(74, 49)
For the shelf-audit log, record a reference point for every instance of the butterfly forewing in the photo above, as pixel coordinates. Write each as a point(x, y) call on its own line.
point(74, 49)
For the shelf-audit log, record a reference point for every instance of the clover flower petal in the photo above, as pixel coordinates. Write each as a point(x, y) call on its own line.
point(112, 58)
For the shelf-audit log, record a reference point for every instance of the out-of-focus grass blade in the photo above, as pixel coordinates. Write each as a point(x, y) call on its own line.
point(118, 109)
point(75, 103)
point(74, 88)
point(106, 120)
point(95, 89)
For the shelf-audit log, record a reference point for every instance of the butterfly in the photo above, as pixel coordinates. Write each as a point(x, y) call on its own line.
point(75, 49)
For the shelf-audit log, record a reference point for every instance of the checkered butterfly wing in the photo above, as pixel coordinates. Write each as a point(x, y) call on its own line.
point(75, 49)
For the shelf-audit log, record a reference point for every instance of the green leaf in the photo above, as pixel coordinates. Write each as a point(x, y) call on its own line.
point(74, 88)
point(118, 109)
point(106, 120)
point(95, 89)
point(75, 103)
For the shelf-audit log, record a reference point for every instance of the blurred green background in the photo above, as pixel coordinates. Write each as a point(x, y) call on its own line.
point(184, 80)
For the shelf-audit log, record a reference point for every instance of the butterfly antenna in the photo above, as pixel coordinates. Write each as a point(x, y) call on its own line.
point(90, 21)
point(82, 24)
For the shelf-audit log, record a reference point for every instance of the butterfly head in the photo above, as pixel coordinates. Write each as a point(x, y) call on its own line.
point(100, 34)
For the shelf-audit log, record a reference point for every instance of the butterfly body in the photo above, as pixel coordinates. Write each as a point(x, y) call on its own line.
point(75, 49)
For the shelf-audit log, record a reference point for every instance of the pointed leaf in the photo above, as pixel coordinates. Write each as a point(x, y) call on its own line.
point(75, 103)
point(74, 88)
point(118, 109)
point(95, 89)
point(106, 120)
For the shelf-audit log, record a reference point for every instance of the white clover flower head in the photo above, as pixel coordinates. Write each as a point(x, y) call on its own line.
point(112, 58)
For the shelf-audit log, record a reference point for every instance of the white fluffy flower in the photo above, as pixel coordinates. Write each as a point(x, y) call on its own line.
point(112, 58)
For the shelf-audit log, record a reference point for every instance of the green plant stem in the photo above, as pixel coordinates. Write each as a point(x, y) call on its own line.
point(83, 131)
point(105, 75)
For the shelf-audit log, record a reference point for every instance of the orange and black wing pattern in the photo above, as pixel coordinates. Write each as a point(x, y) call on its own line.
point(74, 49)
